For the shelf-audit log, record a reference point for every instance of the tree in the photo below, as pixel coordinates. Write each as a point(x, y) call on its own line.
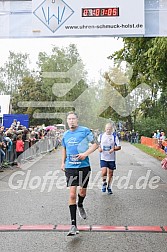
point(47, 87)
point(2, 87)
point(28, 91)
point(63, 76)
point(117, 80)
point(13, 71)
point(147, 56)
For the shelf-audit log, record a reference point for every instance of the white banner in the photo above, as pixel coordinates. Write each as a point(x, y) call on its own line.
point(36, 18)
point(87, 18)
point(4, 104)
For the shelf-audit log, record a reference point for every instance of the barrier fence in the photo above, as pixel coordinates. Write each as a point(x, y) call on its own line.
point(32, 149)
point(154, 143)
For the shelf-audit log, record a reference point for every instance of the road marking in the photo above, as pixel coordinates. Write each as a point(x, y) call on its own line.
point(86, 228)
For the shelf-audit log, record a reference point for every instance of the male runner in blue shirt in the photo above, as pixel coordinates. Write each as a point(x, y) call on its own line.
point(75, 163)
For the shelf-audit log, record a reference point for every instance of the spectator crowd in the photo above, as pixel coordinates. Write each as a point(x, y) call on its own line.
point(10, 137)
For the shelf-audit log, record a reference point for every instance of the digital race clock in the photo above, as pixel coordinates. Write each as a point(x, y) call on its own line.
point(100, 12)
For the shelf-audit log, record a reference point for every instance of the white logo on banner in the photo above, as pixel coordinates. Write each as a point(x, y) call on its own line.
point(53, 13)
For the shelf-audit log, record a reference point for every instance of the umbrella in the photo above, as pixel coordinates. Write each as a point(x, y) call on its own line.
point(50, 127)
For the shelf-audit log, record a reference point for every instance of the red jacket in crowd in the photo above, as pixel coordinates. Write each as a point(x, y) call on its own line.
point(19, 146)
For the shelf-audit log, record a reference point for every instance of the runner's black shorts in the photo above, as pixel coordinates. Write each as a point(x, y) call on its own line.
point(78, 176)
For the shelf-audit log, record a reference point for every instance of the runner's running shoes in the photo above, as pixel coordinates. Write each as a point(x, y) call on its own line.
point(73, 231)
point(104, 187)
point(82, 212)
point(109, 190)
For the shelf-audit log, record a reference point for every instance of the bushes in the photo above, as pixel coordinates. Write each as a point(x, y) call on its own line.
point(147, 126)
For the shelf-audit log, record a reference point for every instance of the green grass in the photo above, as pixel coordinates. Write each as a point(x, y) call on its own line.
point(150, 151)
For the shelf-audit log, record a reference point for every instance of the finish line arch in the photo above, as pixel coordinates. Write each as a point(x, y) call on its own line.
point(82, 18)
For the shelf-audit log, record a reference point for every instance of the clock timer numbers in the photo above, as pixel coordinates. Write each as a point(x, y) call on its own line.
point(100, 12)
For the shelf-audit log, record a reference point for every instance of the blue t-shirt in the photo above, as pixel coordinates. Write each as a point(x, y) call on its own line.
point(76, 142)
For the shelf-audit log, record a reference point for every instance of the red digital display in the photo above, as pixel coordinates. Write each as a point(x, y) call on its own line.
point(100, 12)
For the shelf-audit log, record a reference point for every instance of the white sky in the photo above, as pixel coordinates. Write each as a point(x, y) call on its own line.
point(93, 51)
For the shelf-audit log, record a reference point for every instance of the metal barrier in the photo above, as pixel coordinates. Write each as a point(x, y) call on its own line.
point(32, 149)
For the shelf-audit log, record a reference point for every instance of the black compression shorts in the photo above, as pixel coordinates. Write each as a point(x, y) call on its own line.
point(78, 176)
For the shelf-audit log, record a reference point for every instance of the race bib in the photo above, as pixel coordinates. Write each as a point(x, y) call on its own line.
point(73, 158)
point(106, 148)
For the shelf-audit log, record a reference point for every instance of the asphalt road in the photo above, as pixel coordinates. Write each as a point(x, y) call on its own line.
point(37, 194)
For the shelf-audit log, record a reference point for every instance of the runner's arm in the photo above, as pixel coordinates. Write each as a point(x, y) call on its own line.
point(63, 159)
point(115, 148)
point(91, 149)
